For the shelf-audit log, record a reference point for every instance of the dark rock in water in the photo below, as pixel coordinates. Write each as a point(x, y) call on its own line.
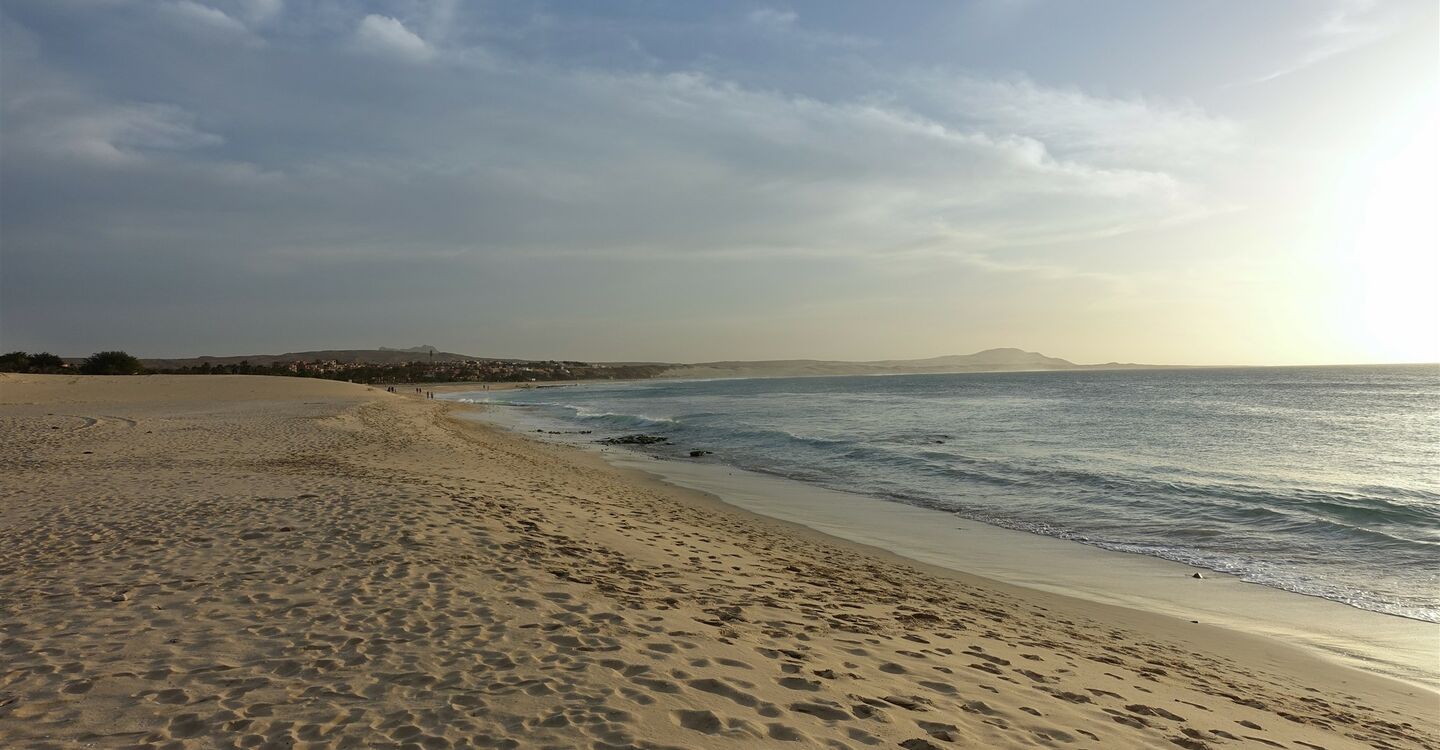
point(1197, 575)
point(641, 439)
point(697, 454)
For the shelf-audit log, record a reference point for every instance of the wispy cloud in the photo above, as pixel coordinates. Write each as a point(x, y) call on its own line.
point(261, 11)
point(781, 24)
point(772, 18)
point(125, 132)
point(1347, 25)
point(1073, 124)
point(203, 15)
point(206, 20)
point(48, 115)
point(517, 158)
point(592, 163)
point(439, 141)
point(383, 35)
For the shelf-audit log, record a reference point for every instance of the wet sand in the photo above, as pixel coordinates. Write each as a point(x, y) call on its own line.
point(229, 561)
point(1396, 646)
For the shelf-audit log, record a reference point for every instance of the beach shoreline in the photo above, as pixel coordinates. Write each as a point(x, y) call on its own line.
point(1390, 645)
point(244, 561)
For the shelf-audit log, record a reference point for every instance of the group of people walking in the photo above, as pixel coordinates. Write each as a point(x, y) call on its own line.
point(428, 394)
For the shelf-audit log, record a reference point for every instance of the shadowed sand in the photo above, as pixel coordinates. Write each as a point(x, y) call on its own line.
point(215, 561)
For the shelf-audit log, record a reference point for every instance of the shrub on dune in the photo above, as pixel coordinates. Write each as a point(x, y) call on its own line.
point(27, 362)
point(111, 363)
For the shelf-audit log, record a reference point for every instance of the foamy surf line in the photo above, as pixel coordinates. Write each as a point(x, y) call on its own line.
point(1394, 646)
point(1249, 569)
point(1221, 471)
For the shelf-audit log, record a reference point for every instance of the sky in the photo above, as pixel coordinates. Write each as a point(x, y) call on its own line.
point(1175, 182)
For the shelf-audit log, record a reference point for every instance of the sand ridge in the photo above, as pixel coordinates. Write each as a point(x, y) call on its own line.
point(215, 561)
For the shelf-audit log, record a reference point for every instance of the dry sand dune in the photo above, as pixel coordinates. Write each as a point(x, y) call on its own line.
point(272, 563)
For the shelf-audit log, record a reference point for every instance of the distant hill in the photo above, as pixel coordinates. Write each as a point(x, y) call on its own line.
point(366, 356)
point(381, 356)
point(990, 360)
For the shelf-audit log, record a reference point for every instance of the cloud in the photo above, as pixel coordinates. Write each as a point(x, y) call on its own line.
point(50, 115)
point(772, 18)
point(284, 174)
point(1347, 25)
point(548, 162)
point(1133, 132)
point(125, 132)
point(260, 11)
point(784, 25)
point(384, 35)
point(204, 16)
point(518, 158)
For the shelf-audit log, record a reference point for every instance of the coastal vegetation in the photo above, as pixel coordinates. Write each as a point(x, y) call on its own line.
point(42, 362)
point(111, 363)
point(417, 371)
point(476, 371)
point(427, 364)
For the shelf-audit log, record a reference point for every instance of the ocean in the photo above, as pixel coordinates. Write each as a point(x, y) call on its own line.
point(1323, 481)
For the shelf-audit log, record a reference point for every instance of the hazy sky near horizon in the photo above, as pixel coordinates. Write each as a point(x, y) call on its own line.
point(1176, 182)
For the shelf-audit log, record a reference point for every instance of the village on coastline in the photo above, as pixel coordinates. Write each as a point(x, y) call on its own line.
point(427, 364)
point(350, 366)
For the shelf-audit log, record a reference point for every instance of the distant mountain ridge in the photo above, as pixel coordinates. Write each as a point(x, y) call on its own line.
point(1004, 356)
point(989, 360)
point(381, 356)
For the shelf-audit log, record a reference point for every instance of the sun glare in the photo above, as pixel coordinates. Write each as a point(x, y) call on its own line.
point(1389, 273)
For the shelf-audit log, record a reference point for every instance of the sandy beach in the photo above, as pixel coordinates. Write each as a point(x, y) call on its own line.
point(255, 562)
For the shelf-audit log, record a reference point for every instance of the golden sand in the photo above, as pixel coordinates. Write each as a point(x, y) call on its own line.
point(228, 561)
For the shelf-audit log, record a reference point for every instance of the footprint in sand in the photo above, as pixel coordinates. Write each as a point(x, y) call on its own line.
point(77, 687)
point(784, 733)
point(1136, 708)
point(172, 697)
point(186, 725)
point(719, 687)
point(799, 683)
point(705, 722)
point(830, 712)
point(939, 687)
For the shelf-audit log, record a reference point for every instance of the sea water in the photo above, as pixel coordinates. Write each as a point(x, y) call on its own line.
point(1319, 480)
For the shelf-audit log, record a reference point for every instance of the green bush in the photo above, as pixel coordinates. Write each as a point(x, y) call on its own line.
point(46, 362)
point(26, 362)
point(15, 362)
point(111, 363)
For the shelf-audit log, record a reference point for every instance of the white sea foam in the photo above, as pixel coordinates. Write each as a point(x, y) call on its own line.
point(1291, 478)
